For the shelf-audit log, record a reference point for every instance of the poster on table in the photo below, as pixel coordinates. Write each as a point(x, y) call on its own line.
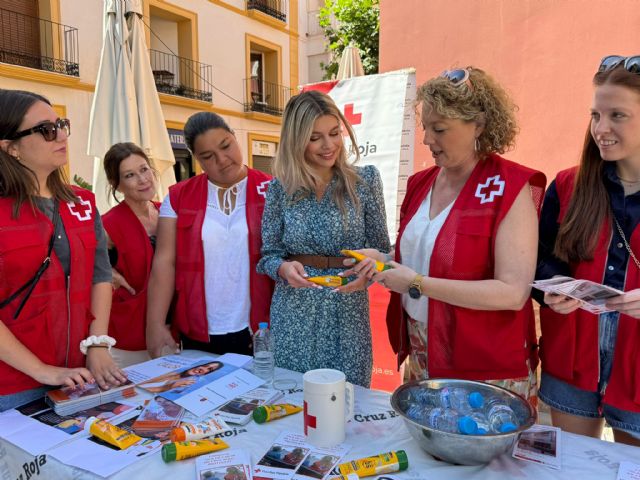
point(381, 111)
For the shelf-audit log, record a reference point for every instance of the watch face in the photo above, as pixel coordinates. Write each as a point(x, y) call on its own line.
point(414, 292)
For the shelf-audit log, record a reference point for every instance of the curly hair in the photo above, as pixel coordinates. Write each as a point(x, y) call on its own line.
point(485, 101)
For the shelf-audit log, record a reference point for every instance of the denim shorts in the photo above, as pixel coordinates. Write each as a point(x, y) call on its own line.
point(575, 401)
point(14, 400)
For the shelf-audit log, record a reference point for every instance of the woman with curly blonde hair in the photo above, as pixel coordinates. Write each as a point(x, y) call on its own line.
point(317, 205)
point(466, 243)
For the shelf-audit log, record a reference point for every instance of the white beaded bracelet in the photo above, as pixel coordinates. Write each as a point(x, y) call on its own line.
point(103, 340)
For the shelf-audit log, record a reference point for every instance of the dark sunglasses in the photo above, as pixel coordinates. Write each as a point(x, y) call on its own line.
point(49, 130)
point(631, 64)
point(458, 77)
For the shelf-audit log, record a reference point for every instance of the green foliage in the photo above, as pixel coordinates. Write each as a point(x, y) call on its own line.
point(81, 182)
point(358, 22)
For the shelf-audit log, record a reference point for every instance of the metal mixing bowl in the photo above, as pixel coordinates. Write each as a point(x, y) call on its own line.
point(457, 448)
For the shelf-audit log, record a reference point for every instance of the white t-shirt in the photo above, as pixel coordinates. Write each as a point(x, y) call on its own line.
point(225, 241)
point(416, 246)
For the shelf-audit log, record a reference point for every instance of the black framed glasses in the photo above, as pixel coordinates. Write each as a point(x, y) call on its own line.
point(49, 130)
point(458, 77)
point(631, 64)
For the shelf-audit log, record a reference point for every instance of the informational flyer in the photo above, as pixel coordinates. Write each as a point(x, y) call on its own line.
point(228, 465)
point(592, 296)
point(628, 471)
point(540, 444)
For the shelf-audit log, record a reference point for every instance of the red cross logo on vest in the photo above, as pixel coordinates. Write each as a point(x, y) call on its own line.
point(81, 210)
point(487, 191)
point(262, 188)
point(353, 118)
point(309, 420)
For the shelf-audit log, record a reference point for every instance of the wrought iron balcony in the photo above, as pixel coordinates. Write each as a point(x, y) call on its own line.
point(181, 76)
point(275, 8)
point(265, 97)
point(38, 43)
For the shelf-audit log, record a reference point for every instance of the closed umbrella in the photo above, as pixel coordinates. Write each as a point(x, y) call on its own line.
point(126, 107)
point(350, 63)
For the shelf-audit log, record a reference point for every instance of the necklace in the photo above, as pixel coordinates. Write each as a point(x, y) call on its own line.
point(624, 239)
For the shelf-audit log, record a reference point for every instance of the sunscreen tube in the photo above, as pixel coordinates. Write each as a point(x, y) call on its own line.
point(329, 280)
point(381, 267)
point(383, 463)
point(113, 435)
point(197, 431)
point(181, 450)
point(266, 413)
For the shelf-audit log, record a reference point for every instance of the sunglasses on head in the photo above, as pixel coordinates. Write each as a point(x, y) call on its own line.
point(631, 64)
point(49, 130)
point(458, 77)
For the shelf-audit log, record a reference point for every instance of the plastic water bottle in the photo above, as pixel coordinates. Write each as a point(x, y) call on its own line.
point(447, 420)
point(263, 364)
point(481, 421)
point(456, 398)
point(500, 416)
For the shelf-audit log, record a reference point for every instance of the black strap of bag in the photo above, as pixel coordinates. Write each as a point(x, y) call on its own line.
point(31, 283)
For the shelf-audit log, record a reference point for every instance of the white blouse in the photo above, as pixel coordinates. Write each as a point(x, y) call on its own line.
point(225, 241)
point(416, 247)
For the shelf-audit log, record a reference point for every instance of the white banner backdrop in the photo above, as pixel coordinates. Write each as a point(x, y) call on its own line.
point(381, 110)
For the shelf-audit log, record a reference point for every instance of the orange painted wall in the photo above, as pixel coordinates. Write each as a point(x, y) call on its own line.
point(544, 52)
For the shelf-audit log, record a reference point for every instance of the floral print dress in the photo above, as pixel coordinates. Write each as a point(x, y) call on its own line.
point(319, 328)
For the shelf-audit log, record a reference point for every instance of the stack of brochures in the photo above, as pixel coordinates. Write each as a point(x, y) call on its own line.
point(158, 418)
point(240, 409)
point(68, 400)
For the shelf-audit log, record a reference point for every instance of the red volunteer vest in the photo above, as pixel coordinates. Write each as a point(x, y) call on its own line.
point(569, 344)
point(189, 200)
point(466, 343)
point(49, 326)
point(135, 255)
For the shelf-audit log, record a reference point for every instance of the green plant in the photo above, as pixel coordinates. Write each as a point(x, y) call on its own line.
point(81, 182)
point(356, 22)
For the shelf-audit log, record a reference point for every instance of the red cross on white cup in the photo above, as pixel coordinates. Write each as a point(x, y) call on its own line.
point(328, 404)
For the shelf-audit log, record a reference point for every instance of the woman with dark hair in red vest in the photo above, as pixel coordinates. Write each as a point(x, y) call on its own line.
point(589, 230)
point(466, 247)
point(208, 247)
point(131, 228)
point(55, 278)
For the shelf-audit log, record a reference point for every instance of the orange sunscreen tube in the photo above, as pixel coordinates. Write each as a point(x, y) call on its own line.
point(113, 435)
point(266, 413)
point(381, 267)
point(181, 450)
point(197, 431)
point(383, 463)
point(329, 280)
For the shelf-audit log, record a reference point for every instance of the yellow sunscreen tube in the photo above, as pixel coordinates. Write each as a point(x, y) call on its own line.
point(381, 267)
point(266, 413)
point(197, 431)
point(113, 435)
point(383, 463)
point(181, 450)
point(329, 280)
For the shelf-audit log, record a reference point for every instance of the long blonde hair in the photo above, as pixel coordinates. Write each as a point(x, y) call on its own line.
point(290, 166)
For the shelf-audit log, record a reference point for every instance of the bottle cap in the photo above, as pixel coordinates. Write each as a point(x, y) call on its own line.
point(403, 461)
point(169, 452)
point(476, 400)
point(467, 426)
point(178, 435)
point(262, 325)
point(88, 422)
point(508, 427)
point(260, 415)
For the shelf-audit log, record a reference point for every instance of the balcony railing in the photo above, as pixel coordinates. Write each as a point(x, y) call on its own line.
point(38, 43)
point(275, 8)
point(181, 76)
point(265, 97)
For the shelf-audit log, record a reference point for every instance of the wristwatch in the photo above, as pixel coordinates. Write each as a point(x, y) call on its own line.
point(415, 287)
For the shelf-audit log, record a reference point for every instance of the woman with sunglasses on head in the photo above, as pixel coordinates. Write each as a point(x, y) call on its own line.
point(208, 246)
point(589, 230)
point(319, 204)
point(55, 279)
point(131, 228)
point(466, 248)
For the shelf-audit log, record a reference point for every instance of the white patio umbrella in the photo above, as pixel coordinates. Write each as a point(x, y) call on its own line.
point(126, 107)
point(350, 63)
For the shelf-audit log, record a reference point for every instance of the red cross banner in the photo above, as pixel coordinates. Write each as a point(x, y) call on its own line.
point(381, 110)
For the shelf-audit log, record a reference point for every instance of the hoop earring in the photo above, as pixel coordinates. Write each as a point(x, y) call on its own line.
point(476, 145)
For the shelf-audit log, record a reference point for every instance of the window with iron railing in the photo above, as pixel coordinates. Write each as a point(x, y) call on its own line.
point(265, 97)
point(274, 8)
point(38, 43)
point(181, 76)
